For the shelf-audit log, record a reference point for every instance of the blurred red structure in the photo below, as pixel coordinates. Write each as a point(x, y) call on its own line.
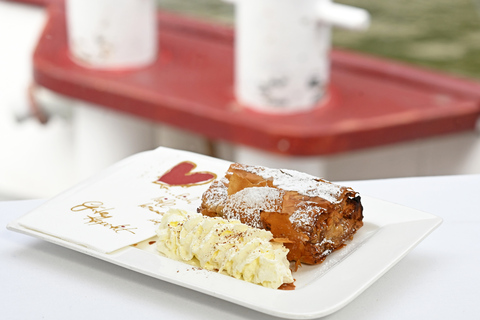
point(371, 101)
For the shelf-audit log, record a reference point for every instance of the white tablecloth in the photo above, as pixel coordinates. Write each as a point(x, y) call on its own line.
point(439, 279)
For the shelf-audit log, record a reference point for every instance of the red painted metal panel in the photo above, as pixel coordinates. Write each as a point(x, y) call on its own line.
point(371, 101)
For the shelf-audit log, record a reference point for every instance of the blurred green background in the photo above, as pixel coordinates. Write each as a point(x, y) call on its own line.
point(437, 34)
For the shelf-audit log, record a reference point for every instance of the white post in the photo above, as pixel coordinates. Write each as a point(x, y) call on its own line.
point(282, 49)
point(112, 34)
point(109, 35)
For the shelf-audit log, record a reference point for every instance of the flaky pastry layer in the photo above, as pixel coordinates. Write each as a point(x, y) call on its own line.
point(314, 217)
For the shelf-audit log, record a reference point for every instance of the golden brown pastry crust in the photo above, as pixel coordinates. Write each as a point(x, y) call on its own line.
point(316, 216)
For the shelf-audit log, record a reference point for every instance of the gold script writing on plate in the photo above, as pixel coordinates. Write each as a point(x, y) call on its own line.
point(160, 204)
point(98, 214)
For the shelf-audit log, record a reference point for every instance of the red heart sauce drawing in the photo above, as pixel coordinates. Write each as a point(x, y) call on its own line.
point(182, 175)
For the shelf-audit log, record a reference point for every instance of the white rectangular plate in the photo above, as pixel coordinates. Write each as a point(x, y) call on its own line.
point(390, 231)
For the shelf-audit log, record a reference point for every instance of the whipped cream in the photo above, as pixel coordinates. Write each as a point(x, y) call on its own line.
point(226, 246)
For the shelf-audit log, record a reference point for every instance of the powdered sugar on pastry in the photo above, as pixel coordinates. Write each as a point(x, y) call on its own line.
point(305, 216)
point(302, 183)
point(216, 197)
point(314, 215)
point(250, 202)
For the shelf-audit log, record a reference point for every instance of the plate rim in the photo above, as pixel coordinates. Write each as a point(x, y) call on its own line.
point(278, 303)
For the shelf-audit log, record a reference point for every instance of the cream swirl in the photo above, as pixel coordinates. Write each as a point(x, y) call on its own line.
point(226, 246)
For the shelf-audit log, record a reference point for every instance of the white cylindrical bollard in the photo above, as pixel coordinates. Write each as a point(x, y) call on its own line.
point(112, 34)
point(282, 49)
point(109, 35)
